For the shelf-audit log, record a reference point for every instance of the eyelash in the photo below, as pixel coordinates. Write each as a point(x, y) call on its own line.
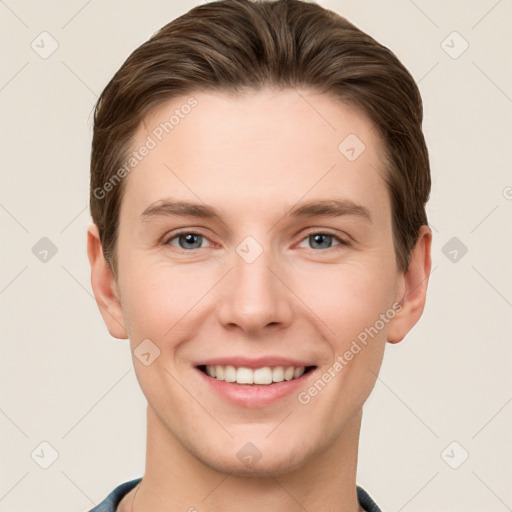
point(342, 241)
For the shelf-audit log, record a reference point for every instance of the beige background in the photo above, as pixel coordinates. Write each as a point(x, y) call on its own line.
point(66, 382)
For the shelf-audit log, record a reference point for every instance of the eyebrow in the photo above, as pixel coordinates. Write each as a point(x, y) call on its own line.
point(313, 208)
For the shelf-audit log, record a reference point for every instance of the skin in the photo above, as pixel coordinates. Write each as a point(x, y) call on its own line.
point(253, 158)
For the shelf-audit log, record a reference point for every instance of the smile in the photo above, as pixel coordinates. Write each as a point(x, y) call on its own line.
point(265, 375)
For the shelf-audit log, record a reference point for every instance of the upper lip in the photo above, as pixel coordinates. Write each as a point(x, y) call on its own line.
point(259, 362)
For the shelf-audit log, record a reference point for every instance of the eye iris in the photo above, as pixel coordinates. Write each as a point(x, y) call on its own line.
point(320, 238)
point(189, 239)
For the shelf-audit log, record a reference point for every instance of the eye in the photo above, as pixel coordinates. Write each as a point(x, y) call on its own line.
point(187, 240)
point(324, 240)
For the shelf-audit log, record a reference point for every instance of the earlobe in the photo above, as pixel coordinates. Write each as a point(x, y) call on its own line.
point(413, 288)
point(104, 286)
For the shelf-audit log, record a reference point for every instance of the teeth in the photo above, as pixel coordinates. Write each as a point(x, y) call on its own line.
point(288, 373)
point(244, 376)
point(298, 372)
point(229, 373)
point(278, 374)
point(219, 372)
point(265, 375)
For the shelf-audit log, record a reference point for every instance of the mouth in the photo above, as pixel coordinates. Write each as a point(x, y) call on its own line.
point(263, 376)
point(255, 382)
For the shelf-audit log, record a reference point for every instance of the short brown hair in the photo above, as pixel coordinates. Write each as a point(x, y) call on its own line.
point(240, 45)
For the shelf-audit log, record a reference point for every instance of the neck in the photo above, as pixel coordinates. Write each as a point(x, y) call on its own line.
point(175, 480)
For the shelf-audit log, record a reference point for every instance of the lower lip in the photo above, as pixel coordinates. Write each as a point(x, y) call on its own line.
point(255, 395)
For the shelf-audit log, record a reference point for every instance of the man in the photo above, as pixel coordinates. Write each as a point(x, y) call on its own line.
point(258, 187)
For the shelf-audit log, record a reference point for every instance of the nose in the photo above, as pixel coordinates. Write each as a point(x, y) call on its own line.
point(255, 295)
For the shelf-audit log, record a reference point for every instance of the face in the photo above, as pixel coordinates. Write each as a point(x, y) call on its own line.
point(283, 273)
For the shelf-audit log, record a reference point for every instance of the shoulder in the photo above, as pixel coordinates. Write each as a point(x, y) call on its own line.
point(366, 501)
point(111, 502)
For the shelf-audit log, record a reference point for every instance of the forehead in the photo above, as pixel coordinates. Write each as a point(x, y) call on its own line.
point(263, 148)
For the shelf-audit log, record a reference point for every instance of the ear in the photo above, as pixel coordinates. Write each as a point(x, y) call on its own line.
point(104, 286)
point(413, 288)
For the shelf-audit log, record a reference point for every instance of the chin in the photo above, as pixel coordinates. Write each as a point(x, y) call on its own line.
point(269, 458)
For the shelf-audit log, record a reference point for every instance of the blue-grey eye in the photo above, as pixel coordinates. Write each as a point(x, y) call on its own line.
point(187, 240)
point(322, 240)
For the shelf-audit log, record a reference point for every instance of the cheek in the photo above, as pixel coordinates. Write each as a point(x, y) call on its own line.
point(347, 298)
point(157, 299)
